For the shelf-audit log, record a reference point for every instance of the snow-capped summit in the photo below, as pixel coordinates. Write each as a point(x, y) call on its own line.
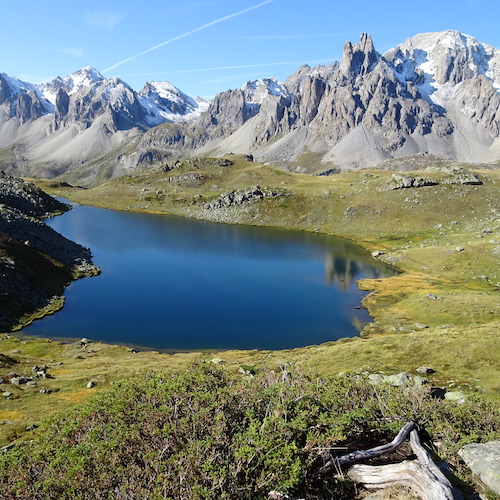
point(72, 83)
point(165, 102)
point(257, 90)
point(439, 62)
point(83, 78)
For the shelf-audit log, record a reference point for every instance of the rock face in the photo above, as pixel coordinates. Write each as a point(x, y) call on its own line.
point(113, 101)
point(484, 460)
point(436, 93)
point(27, 198)
point(36, 262)
point(21, 102)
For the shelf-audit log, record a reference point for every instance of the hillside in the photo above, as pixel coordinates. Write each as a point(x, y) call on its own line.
point(36, 263)
point(443, 235)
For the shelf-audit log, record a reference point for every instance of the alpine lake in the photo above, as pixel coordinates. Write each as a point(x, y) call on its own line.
point(177, 284)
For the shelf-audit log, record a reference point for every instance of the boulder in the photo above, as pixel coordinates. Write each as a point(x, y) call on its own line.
point(405, 379)
point(397, 181)
point(425, 370)
point(484, 460)
point(457, 396)
point(19, 380)
point(376, 378)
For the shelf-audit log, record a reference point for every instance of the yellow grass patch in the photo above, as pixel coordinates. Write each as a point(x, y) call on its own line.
point(76, 396)
point(10, 415)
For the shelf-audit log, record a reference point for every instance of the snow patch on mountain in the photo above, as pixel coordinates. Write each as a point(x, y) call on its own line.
point(71, 84)
point(165, 102)
point(257, 90)
point(438, 63)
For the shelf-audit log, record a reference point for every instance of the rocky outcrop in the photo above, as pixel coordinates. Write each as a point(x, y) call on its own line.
point(447, 175)
point(457, 175)
point(407, 181)
point(27, 198)
point(360, 58)
point(241, 197)
point(36, 262)
point(189, 178)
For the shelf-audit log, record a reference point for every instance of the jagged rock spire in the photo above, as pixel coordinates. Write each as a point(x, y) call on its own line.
point(360, 58)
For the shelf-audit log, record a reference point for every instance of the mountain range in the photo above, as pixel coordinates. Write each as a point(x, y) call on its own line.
point(435, 94)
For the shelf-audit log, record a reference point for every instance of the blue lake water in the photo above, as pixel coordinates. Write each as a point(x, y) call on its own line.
point(178, 284)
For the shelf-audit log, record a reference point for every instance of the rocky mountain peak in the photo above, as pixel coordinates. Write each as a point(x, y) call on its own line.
point(83, 78)
point(446, 57)
point(257, 90)
point(436, 93)
point(72, 83)
point(360, 58)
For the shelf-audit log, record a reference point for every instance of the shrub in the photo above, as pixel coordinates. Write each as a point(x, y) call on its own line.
point(207, 434)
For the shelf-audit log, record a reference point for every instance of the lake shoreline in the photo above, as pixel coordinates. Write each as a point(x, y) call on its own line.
point(308, 280)
point(305, 210)
point(439, 305)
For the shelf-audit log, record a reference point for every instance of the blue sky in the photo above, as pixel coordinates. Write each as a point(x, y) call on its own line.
point(207, 46)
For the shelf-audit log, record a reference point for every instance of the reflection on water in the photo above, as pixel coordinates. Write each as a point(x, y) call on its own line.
point(173, 283)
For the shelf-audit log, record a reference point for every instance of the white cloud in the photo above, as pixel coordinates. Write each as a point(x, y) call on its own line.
point(72, 51)
point(104, 19)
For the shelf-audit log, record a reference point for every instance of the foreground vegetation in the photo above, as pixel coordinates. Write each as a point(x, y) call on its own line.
point(442, 311)
point(207, 434)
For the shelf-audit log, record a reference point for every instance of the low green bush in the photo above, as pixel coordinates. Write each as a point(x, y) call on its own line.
point(210, 434)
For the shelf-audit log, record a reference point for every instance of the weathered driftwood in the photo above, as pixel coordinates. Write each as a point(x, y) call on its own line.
point(356, 456)
point(422, 475)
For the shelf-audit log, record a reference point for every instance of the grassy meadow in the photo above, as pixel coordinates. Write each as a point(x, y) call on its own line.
point(442, 310)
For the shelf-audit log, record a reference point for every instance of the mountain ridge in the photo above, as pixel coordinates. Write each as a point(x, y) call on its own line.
point(436, 93)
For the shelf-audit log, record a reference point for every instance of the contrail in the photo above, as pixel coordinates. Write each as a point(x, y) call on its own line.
point(218, 68)
point(200, 28)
